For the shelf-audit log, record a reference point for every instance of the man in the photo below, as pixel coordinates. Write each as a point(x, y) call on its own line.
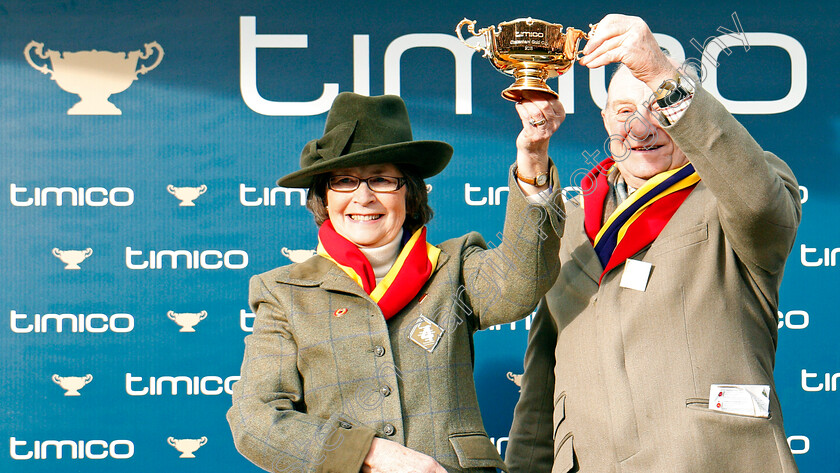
point(668, 289)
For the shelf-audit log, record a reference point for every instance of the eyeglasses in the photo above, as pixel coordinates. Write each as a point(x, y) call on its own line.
point(374, 183)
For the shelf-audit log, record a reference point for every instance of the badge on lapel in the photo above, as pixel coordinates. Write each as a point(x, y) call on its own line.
point(426, 333)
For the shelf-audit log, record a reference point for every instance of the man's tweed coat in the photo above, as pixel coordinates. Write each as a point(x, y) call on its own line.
point(323, 372)
point(630, 389)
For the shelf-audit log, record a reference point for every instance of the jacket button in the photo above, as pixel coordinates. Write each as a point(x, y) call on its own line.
point(385, 391)
point(379, 350)
point(345, 425)
point(390, 430)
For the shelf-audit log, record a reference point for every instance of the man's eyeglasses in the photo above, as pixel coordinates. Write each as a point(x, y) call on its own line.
point(374, 183)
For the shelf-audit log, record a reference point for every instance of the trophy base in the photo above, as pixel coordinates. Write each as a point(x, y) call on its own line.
point(530, 77)
point(514, 92)
point(94, 107)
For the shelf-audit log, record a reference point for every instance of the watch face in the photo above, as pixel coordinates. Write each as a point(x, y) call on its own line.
point(541, 179)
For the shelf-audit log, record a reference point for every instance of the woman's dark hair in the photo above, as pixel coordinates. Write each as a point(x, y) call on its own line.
point(417, 210)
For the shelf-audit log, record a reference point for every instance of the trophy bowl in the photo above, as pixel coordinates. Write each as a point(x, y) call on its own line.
point(187, 320)
point(186, 446)
point(530, 50)
point(93, 75)
point(72, 258)
point(186, 194)
point(72, 384)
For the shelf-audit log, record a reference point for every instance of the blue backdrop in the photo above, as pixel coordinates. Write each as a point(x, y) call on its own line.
point(239, 88)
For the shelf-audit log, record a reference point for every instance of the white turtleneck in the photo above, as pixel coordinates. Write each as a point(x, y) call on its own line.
point(383, 257)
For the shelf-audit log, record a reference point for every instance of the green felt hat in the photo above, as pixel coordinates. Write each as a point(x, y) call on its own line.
point(362, 130)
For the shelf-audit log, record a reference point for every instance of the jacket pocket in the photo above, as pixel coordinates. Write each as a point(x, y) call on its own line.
point(564, 455)
point(475, 450)
point(564, 452)
point(691, 236)
point(559, 412)
point(702, 404)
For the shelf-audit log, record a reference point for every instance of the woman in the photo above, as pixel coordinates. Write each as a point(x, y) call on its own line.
point(361, 356)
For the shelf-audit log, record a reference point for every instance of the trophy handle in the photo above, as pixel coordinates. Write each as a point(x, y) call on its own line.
point(586, 36)
point(471, 28)
point(171, 315)
point(56, 379)
point(202, 441)
point(171, 441)
point(202, 189)
point(150, 47)
point(39, 50)
point(88, 252)
point(56, 252)
point(284, 251)
point(171, 189)
point(202, 315)
point(88, 378)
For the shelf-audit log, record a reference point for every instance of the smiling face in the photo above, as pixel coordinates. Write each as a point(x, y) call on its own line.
point(366, 218)
point(632, 127)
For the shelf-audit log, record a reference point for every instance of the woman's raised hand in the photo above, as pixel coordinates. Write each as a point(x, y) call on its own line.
point(541, 116)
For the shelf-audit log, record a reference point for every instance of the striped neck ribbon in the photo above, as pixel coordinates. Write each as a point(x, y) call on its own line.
point(638, 220)
point(412, 268)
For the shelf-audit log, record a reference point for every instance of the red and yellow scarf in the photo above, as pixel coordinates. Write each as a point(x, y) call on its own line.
point(410, 271)
point(638, 220)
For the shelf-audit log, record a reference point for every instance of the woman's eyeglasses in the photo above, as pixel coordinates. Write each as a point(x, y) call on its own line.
point(374, 183)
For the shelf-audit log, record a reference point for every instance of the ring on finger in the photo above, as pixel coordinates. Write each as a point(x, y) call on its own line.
point(534, 122)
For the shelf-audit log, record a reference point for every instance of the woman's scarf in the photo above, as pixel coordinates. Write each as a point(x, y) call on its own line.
point(638, 220)
point(411, 270)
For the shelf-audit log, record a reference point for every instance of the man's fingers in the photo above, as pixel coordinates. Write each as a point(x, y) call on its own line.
point(607, 57)
point(605, 47)
point(609, 27)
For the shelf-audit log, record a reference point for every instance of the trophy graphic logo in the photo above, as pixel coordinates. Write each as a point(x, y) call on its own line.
point(72, 384)
point(93, 75)
point(426, 333)
point(297, 256)
point(186, 446)
point(187, 320)
point(532, 51)
point(186, 194)
point(516, 378)
point(72, 258)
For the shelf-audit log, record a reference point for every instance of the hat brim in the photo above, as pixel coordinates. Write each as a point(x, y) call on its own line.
point(427, 158)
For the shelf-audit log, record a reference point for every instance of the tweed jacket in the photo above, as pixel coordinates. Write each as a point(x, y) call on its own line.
point(323, 372)
point(619, 378)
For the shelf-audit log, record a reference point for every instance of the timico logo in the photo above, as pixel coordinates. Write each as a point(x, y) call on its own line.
point(94, 323)
point(195, 259)
point(191, 386)
point(77, 196)
point(78, 449)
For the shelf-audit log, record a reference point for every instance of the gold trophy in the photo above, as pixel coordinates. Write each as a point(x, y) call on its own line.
point(530, 50)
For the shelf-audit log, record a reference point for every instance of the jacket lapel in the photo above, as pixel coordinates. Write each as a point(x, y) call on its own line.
point(584, 255)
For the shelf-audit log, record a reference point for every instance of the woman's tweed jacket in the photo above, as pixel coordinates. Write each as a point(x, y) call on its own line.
point(323, 373)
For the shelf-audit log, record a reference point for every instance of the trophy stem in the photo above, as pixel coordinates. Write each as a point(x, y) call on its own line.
point(528, 78)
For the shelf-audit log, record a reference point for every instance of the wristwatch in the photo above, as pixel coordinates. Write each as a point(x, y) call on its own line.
point(670, 92)
point(540, 180)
